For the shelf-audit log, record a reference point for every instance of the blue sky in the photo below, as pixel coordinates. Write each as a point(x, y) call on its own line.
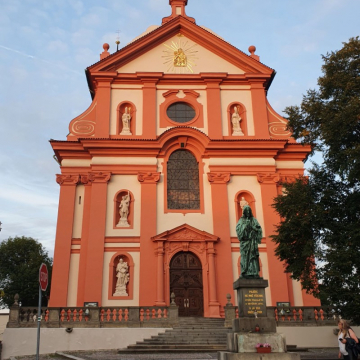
point(45, 45)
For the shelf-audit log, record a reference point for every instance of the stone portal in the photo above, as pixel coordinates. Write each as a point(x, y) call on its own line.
point(186, 283)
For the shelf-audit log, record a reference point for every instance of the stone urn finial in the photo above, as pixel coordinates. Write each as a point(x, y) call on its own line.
point(228, 297)
point(172, 297)
point(16, 300)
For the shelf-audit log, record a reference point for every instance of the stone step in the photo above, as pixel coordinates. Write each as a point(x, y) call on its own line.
point(187, 338)
point(199, 326)
point(193, 335)
point(201, 321)
point(165, 351)
point(180, 341)
point(190, 335)
point(196, 331)
point(178, 346)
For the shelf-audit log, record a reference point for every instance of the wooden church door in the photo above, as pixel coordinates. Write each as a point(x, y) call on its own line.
point(186, 283)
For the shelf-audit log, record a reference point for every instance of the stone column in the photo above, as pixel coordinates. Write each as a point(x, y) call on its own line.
point(84, 240)
point(160, 300)
point(64, 228)
point(54, 318)
point(221, 221)
point(259, 102)
point(14, 316)
point(149, 104)
point(277, 277)
point(148, 272)
point(96, 237)
point(103, 95)
point(212, 276)
point(214, 108)
point(230, 312)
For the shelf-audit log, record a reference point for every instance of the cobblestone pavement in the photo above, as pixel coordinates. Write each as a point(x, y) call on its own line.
point(312, 354)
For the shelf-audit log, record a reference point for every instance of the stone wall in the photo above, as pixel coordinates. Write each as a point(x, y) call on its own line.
point(312, 336)
point(4, 318)
point(22, 341)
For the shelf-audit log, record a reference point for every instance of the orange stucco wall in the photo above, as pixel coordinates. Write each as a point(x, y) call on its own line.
point(97, 163)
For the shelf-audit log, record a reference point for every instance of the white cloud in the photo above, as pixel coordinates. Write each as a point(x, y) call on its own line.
point(23, 196)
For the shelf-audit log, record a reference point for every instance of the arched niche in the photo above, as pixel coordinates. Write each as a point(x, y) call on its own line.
point(113, 279)
point(249, 197)
point(117, 201)
point(120, 111)
point(242, 113)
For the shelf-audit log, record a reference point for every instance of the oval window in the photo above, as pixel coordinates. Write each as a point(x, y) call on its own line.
point(180, 112)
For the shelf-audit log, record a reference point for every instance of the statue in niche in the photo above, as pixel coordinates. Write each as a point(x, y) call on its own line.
point(235, 120)
point(243, 203)
point(122, 274)
point(249, 233)
point(124, 208)
point(126, 117)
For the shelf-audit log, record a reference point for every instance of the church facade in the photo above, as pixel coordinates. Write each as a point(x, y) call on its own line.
point(154, 175)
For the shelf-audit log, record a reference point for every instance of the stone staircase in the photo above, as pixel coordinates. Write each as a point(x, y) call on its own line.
point(190, 335)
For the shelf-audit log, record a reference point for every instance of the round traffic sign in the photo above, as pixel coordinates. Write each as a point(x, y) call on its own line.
point(43, 277)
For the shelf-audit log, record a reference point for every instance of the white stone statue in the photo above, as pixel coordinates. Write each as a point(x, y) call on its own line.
point(126, 122)
point(122, 274)
point(124, 211)
point(243, 203)
point(235, 120)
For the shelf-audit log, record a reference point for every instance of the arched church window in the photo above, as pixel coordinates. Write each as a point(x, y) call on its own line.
point(180, 112)
point(183, 188)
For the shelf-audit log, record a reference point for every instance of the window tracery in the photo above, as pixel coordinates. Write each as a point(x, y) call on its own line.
point(183, 188)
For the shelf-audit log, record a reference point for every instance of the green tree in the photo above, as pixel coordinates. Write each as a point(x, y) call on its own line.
point(321, 213)
point(20, 260)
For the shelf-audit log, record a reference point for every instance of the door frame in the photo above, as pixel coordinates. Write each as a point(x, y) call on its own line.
point(200, 269)
point(189, 239)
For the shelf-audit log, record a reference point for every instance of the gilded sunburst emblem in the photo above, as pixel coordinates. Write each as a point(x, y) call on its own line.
point(180, 56)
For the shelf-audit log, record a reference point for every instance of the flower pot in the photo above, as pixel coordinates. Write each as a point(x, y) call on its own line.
point(263, 350)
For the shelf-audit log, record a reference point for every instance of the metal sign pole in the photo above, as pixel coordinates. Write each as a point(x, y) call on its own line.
point(38, 325)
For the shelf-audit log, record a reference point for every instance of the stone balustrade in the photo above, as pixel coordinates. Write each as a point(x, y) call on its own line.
point(70, 317)
point(289, 316)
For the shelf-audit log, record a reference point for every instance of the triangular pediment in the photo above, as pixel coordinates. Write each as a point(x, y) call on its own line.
point(187, 233)
point(155, 52)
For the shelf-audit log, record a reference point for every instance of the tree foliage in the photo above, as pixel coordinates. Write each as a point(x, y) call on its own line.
point(321, 213)
point(20, 260)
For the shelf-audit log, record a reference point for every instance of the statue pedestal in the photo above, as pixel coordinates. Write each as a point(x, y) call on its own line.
point(251, 296)
point(126, 132)
point(241, 342)
point(121, 291)
point(123, 223)
point(237, 133)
